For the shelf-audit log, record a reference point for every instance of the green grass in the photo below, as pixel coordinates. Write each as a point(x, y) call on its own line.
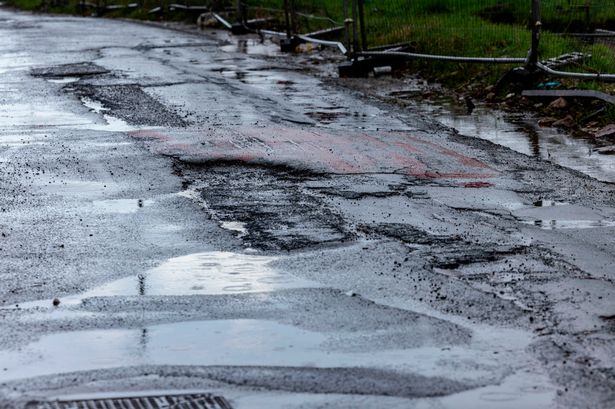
point(26, 4)
point(483, 28)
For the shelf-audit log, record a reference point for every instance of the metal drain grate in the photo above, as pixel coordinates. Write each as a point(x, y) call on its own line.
point(193, 401)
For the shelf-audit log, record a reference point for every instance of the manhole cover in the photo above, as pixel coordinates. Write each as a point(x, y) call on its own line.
point(193, 401)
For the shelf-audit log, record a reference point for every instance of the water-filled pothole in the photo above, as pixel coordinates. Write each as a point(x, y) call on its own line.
point(522, 134)
point(207, 273)
point(552, 215)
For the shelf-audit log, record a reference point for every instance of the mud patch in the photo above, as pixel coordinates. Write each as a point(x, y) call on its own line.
point(131, 104)
point(272, 207)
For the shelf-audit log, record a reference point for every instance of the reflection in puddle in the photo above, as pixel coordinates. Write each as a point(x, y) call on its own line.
point(252, 47)
point(224, 342)
point(255, 343)
point(201, 273)
point(239, 227)
point(205, 273)
point(64, 80)
point(523, 135)
point(569, 224)
point(95, 106)
point(548, 203)
point(551, 215)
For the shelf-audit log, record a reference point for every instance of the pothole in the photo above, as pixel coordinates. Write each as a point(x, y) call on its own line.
point(268, 208)
point(131, 104)
point(70, 70)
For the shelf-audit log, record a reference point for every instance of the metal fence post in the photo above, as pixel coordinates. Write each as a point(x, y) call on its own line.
point(347, 22)
point(362, 24)
point(242, 12)
point(291, 41)
point(293, 17)
point(287, 18)
point(536, 26)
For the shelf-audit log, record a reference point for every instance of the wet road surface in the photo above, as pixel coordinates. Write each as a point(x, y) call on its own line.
point(223, 219)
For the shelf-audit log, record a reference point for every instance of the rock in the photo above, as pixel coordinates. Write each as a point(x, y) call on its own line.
point(606, 132)
point(489, 88)
point(56, 302)
point(509, 96)
point(207, 20)
point(548, 121)
point(469, 104)
point(490, 96)
point(538, 105)
point(566, 122)
point(559, 103)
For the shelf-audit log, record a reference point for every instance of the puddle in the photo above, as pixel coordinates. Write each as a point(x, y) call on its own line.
point(205, 273)
point(239, 227)
point(552, 215)
point(201, 273)
point(252, 47)
point(262, 343)
point(548, 203)
point(65, 80)
point(569, 224)
point(94, 106)
point(529, 390)
point(121, 206)
point(522, 134)
point(224, 342)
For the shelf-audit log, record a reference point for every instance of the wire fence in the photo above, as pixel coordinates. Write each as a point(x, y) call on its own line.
point(586, 27)
point(487, 31)
point(449, 27)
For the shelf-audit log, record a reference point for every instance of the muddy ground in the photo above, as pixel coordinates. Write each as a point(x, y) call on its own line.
point(214, 216)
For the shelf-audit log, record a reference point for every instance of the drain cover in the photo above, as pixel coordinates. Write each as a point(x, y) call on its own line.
point(193, 401)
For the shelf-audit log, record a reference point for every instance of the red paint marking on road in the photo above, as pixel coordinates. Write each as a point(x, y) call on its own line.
point(463, 159)
point(322, 151)
point(410, 166)
point(407, 147)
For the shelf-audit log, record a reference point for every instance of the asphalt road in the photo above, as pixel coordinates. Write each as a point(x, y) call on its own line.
point(213, 216)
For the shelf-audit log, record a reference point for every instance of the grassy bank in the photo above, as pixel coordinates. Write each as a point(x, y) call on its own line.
point(492, 28)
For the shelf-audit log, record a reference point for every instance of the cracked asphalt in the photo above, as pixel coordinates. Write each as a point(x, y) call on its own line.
point(185, 211)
